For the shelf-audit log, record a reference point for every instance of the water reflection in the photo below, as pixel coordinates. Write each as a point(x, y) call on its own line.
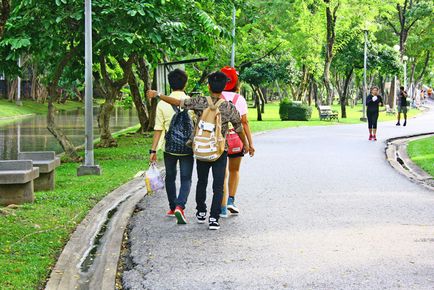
point(34, 135)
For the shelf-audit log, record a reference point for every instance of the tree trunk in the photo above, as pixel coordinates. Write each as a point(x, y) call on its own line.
point(344, 95)
point(63, 140)
point(13, 89)
point(106, 110)
point(258, 102)
point(331, 36)
point(5, 9)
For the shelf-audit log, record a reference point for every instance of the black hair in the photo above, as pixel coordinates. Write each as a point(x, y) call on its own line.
point(401, 88)
point(217, 82)
point(177, 79)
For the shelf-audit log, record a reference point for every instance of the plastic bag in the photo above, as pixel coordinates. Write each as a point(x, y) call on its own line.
point(154, 179)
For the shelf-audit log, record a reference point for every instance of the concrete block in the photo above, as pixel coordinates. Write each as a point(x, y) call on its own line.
point(88, 170)
point(47, 163)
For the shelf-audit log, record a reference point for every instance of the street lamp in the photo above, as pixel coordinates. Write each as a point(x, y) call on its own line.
point(405, 59)
point(234, 15)
point(18, 100)
point(89, 167)
point(365, 81)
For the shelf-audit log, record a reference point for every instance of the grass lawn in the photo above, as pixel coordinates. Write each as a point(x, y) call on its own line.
point(422, 153)
point(271, 118)
point(32, 236)
point(10, 109)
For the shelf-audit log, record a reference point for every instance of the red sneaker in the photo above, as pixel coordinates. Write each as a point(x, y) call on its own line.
point(180, 216)
point(371, 137)
point(170, 213)
point(375, 137)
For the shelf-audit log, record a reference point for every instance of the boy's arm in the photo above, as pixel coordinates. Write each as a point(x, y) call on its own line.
point(155, 140)
point(152, 94)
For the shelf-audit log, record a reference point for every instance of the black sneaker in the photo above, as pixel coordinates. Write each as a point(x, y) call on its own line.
point(405, 124)
point(201, 217)
point(213, 224)
point(398, 124)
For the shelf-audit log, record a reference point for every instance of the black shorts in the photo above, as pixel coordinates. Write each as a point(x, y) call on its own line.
point(236, 155)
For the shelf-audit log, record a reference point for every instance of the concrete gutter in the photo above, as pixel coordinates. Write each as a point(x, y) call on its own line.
point(90, 258)
point(396, 154)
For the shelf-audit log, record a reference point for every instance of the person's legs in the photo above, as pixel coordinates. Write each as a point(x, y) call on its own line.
point(170, 162)
point(202, 182)
point(369, 115)
point(218, 172)
point(234, 175)
point(186, 168)
point(224, 210)
point(374, 125)
point(405, 110)
point(399, 117)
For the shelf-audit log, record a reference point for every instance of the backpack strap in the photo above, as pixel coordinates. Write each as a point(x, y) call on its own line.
point(213, 106)
point(234, 101)
point(175, 108)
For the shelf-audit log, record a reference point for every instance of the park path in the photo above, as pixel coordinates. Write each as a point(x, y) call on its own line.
point(321, 209)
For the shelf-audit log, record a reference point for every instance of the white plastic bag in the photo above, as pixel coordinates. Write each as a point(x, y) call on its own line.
point(154, 179)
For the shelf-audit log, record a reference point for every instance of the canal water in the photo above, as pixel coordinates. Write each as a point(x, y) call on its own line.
point(31, 134)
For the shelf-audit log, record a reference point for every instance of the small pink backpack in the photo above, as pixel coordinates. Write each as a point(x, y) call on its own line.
point(234, 141)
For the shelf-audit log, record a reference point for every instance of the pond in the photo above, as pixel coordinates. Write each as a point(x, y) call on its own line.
point(31, 134)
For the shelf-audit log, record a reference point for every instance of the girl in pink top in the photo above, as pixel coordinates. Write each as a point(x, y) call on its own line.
point(231, 94)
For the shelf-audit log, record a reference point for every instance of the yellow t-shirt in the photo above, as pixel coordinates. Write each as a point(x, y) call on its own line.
point(164, 116)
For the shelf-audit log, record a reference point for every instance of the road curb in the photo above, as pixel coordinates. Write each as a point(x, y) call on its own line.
point(396, 155)
point(90, 258)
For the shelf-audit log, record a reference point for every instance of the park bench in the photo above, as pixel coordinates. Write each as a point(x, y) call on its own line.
point(326, 113)
point(47, 163)
point(16, 181)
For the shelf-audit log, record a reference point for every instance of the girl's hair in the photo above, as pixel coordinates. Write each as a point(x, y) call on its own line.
point(375, 87)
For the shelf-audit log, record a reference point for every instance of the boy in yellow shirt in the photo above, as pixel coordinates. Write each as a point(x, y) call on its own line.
point(165, 112)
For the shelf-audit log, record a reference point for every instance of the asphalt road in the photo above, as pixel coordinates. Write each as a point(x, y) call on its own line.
point(321, 209)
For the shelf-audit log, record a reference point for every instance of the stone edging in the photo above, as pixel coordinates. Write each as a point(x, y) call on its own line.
point(90, 258)
point(396, 155)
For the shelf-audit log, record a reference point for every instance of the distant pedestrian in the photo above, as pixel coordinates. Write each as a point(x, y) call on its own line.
point(174, 152)
point(373, 102)
point(402, 106)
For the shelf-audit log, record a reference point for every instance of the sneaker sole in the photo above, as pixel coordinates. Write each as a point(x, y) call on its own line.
point(180, 218)
point(213, 228)
point(233, 210)
point(224, 216)
point(201, 222)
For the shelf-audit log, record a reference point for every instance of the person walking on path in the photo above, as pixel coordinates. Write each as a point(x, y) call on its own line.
point(165, 113)
point(402, 106)
point(229, 114)
point(373, 102)
point(235, 154)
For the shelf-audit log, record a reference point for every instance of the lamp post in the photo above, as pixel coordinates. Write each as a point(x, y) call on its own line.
point(89, 167)
point(365, 81)
point(234, 15)
point(404, 60)
point(18, 100)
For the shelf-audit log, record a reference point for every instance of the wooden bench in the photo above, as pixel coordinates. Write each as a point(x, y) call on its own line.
point(47, 163)
point(16, 181)
point(326, 113)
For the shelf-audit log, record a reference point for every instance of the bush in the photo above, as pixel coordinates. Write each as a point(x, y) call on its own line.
point(290, 111)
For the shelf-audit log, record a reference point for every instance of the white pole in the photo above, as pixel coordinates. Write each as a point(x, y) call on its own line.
point(89, 167)
point(234, 15)
point(18, 100)
point(405, 74)
point(365, 81)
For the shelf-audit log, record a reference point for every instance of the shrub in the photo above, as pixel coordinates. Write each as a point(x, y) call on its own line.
point(290, 111)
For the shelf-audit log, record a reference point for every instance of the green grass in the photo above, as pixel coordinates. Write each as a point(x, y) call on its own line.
point(422, 153)
point(32, 236)
point(271, 118)
point(10, 109)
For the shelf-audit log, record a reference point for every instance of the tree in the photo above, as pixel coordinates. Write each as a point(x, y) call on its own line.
point(4, 14)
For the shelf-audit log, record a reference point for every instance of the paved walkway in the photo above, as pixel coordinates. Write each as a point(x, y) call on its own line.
point(321, 209)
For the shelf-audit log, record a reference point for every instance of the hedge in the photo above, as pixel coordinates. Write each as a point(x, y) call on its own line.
point(290, 111)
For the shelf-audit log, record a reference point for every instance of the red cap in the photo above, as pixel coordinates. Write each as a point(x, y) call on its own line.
point(232, 75)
